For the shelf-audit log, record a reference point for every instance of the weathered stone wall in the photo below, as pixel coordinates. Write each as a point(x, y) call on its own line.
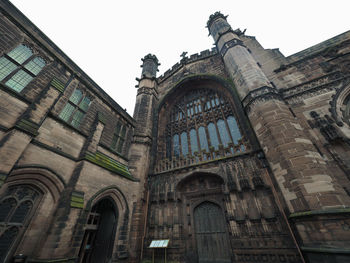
point(72, 167)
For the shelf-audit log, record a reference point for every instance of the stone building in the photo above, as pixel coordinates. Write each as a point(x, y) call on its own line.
point(236, 154)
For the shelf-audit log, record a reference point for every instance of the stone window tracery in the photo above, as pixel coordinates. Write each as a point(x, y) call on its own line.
point(119, 137)
point(346, 110)
point(76, 108)
point(201, 123)
point(19, 67)
point(16, 208)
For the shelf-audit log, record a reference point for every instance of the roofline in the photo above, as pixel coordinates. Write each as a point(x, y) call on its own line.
point(20, 20)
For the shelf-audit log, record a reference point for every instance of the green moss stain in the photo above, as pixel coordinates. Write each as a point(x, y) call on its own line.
point(57, 84)
point(108, 163)
point(325, 250)
point(101, 118)
point(77, 199)
point(2, 179)
point(28, 126)
point(320, 212)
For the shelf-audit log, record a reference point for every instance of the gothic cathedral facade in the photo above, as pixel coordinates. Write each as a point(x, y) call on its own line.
point(235, 154)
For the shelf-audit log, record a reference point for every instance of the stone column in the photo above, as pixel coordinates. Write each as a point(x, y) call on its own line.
point(67, 229)
point(304, 179)
point(140, 149)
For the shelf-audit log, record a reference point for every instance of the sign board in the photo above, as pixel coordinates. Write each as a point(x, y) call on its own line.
point(159, 243)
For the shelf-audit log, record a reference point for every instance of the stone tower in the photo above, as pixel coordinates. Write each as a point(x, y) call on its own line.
point(140, 149)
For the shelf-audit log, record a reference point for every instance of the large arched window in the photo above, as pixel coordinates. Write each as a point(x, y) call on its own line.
point(201, 125)
point(19, 67)
point(16, 208)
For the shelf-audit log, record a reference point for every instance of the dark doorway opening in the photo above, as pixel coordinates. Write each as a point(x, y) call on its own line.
point(211, 236)
point(97, 245)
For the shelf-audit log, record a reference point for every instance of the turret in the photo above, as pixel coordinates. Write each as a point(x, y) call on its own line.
point(149, 66)
point(140, 150)
point(305, 181)
point(147, 91)
point(242, 67)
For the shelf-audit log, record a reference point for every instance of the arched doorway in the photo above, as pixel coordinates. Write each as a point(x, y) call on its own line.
point(211, 237)
point(97, 246)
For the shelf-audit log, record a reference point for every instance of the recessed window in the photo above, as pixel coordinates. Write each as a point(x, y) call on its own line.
point(19, 67)
point(76, 108)
point(119, 137)
point(16, 208)
point(201, 121)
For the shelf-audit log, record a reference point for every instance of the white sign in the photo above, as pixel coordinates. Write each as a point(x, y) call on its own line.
point(159, 243)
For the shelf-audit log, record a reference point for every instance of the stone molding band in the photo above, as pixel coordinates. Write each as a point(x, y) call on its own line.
point(325, 250)
point(262, 93)
point(230, 44)
point(319, 212)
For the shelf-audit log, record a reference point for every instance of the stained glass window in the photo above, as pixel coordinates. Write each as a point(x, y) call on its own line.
point(168, 147)
point(119, 137)
point(176, 144)
point(184, 144)
point(234, 130)
point(16, 207)
point(20, 54)
point(225, 137)
point(193, 139)
point(76, 108)
point(19, 67)
point(213, 136)
point(19, 80)
point(201, 118)
point(6, 67)
point(35, 65)
point(203, 139)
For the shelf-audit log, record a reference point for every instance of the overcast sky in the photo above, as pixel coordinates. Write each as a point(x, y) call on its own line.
point(107, 38)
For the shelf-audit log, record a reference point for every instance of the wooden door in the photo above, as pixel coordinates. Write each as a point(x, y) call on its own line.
point(211, 237)
point(97, 244)
point(103, 243)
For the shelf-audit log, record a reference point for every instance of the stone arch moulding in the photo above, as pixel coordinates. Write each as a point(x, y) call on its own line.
point(339, 101)
point(230, 106)
point(196, 175)
point(227, 85)
point(112, 192)
point(42, 177)
point(50, 185)
point(197, 203)
point(117, 197)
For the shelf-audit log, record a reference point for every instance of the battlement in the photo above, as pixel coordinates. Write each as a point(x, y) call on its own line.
point(187, 60)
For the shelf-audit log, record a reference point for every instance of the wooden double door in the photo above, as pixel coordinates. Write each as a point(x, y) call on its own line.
point(98, 241)
point(210, 232)
point(205, 228)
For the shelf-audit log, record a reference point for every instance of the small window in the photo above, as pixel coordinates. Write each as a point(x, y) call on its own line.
point(75, 109)
point(19, 67)
point(119, 137)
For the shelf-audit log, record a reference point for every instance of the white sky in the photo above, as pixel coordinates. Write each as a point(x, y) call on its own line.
point(108, 38)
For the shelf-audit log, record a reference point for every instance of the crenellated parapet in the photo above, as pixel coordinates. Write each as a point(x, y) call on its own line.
point(187, 60)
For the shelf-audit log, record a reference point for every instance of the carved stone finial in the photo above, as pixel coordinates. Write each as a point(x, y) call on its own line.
point(214, 17)
point(152, 57)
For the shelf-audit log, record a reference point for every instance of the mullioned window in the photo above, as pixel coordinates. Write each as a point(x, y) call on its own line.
point(75, 109)
point(19, 67)
point(119, 137)
point(202, 121)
